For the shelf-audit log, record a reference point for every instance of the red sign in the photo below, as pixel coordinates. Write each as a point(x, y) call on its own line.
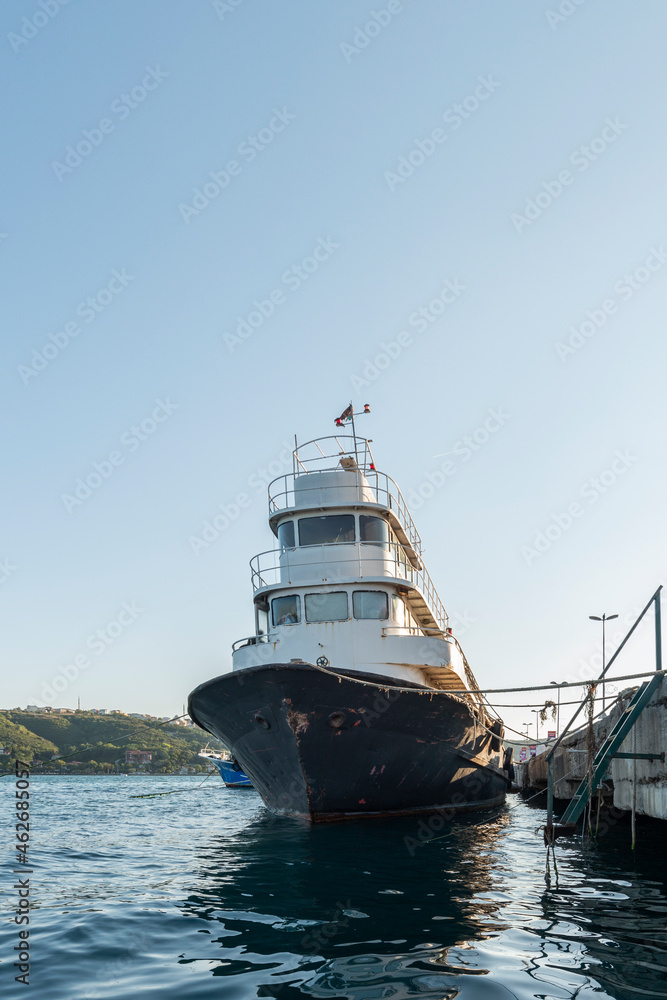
point(551, 735)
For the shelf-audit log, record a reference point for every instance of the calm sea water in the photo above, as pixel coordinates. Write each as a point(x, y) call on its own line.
point(203, 894)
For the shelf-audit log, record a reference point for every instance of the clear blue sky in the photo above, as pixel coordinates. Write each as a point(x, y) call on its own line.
point(405, 146)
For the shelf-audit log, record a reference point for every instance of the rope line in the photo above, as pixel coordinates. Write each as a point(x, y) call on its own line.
point(572, 733)
point(554, 687)
point(174, 791)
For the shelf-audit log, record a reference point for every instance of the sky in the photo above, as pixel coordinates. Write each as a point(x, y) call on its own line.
point(222, 221)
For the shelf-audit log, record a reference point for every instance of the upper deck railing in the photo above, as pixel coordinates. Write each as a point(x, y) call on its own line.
point(325, 455)
point(340, 562)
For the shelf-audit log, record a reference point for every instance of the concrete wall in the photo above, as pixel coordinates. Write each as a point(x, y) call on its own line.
point(651, 736)
point(570, 760)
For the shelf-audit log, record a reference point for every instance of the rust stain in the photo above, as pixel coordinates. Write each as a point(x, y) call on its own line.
point(297, 721)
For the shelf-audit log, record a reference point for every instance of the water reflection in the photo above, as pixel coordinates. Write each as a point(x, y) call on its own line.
point(349, 911)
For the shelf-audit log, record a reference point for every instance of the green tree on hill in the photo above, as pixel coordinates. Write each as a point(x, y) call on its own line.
point(85, 737)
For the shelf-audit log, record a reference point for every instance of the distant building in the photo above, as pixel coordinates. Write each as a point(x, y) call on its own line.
point(138, 756)
point(38, 708)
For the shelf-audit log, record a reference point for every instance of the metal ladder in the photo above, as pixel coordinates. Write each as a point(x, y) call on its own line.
point(603, 757)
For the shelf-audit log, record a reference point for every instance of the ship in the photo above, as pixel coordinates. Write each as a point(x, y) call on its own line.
point(229, 769)
point(353, 698)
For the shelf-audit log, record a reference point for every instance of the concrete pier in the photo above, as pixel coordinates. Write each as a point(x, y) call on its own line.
point(649, 735)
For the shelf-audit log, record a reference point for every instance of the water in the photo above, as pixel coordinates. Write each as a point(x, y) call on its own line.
point(204, 895)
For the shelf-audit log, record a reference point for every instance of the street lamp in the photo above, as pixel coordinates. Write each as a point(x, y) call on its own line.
point(537, 723)
point(604, 619)
point(558, 709)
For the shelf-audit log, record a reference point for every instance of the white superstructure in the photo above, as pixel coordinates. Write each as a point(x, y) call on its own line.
point(346, 587)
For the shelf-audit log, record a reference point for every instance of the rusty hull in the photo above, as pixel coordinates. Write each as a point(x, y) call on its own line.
point(323, 746)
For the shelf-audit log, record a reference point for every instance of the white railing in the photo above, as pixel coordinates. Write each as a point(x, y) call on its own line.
point(322, 454)
point(411, 630)
point(343, 562)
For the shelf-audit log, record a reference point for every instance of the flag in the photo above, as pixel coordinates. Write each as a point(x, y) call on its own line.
point(345, 416)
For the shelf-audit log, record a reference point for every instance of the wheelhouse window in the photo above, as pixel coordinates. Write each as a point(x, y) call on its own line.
point(326, 607)
point(286, 610)
point(262, 619)
point(373, 529)
point(326, 530)
point(370, 604)
point(286, 535)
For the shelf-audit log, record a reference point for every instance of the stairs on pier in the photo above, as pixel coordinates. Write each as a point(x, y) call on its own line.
point(603, 757)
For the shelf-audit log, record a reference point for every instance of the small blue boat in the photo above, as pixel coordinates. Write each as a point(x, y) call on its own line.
point(229, 770)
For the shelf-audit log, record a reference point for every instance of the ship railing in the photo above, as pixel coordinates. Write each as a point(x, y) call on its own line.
point(250, 640)
point(338, 562)
point(419, 630)
point(319, 454)
point(282, 496)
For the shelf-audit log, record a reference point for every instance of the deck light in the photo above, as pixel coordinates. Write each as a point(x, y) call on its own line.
point(367, 408)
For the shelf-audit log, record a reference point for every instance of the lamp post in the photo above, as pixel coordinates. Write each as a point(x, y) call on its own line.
point(537, 723)
point(558, 708)
point(604, 619)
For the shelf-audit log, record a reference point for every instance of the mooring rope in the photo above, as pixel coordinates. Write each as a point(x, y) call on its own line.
point(174, 791)
point(564, 684)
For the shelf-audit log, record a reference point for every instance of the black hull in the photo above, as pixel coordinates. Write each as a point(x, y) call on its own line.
point(324, 746)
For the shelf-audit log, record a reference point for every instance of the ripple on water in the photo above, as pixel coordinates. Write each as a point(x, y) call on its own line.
point(206, 895)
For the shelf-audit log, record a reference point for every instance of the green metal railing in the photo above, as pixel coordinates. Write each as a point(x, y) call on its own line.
point(611, 744)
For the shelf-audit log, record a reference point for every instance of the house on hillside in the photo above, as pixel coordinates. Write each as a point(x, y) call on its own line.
point(138, 756)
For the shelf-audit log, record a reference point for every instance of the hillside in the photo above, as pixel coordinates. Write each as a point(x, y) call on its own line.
point(83, 737)
point(21, 741)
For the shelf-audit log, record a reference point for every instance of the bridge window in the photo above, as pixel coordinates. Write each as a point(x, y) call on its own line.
point(326, 530)
point(373, 529)
point(262, 619)
point(286, 535)
point(326, 607)
point(286, 610)
point(370, 604)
